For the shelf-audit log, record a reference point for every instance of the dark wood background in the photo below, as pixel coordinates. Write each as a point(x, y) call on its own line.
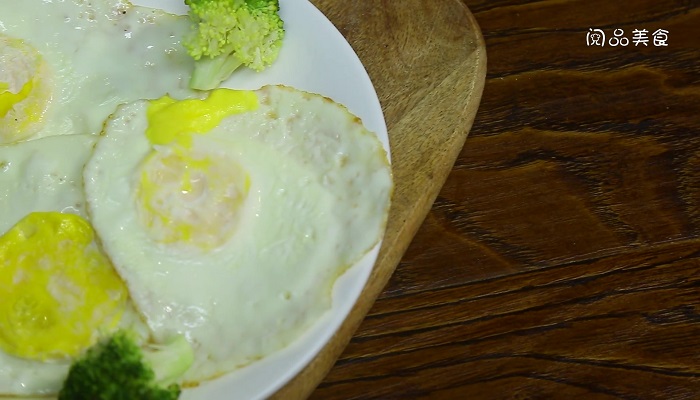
point(562, 257)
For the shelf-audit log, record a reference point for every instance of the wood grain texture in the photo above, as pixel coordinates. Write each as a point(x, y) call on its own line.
point(561, 259)
point(428, 64)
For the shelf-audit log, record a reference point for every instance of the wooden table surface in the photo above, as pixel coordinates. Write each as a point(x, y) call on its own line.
point(561, 259)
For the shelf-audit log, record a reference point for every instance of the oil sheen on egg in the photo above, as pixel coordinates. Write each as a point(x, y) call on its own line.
point(231, 217)
point(65, 65)
point(58, 290)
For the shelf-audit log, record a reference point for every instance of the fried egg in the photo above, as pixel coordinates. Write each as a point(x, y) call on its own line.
point(231, 216)
point(59, 294)
point(59, 291)
point(65, 65)
point(25, 89)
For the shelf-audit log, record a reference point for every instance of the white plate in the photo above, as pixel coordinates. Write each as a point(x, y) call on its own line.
point(314, 57)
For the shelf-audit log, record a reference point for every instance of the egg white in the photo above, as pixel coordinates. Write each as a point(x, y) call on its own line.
point(98, 53)
point(36, 176)
point(318, 200)
point(43, 175)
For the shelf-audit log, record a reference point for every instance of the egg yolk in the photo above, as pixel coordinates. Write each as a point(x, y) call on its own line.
point(58, 291)
point(24, 94)
point(171, 121)
point(191, 201)
point(185, 195)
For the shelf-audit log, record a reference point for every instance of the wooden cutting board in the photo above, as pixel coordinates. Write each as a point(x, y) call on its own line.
point(427, 61)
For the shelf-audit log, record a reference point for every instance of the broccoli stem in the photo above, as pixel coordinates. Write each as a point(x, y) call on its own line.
point(169, 361)
point(209, 72)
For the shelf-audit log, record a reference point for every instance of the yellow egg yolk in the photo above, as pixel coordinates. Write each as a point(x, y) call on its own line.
point(172, 121)
point(58, 291)
point(9, 99)
point(190, 201)
point(185, 195)
point(24, 90)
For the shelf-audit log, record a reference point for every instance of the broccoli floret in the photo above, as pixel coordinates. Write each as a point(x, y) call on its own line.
point(116, 368)
point(229, 33)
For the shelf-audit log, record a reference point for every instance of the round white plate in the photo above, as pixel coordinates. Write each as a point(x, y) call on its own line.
point(314, 57)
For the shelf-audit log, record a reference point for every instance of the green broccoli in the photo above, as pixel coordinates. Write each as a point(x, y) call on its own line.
point(229, 33)
point(116, 368)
